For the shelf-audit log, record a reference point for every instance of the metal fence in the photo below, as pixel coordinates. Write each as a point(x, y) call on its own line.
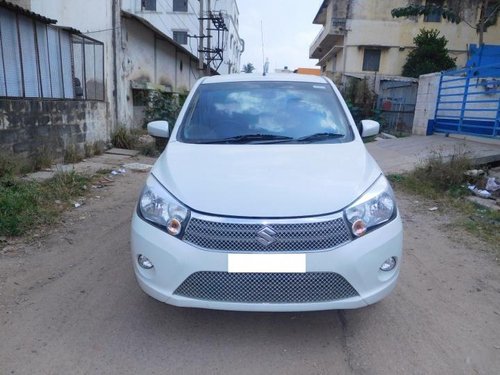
point(396, 103)
point(469, 102)
point(38, 60)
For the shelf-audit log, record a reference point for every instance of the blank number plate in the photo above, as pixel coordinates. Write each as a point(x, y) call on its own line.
point(266, 263)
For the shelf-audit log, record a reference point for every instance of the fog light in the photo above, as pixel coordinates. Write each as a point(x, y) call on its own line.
point(144, 262)
point(389, 264)
point(359, 228)
point(174, 226)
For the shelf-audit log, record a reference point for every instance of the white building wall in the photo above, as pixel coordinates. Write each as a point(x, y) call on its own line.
point(148, 58)
point(168, 21)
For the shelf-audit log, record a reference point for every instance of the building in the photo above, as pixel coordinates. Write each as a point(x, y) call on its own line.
point(107, 60)
point(52, 85)
point(310, 71)
point(179, 19)
point(361, 38)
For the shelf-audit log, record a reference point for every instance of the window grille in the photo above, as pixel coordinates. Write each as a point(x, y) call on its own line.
point(180, 6)
point(148, 5)
point(371, 60)
point(181, 37)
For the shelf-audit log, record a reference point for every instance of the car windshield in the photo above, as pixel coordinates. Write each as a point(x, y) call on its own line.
point(265, 112)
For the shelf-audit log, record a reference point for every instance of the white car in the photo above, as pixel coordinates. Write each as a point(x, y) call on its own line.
point(265, 199)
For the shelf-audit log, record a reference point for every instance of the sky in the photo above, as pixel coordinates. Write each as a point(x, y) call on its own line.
point(288, 32)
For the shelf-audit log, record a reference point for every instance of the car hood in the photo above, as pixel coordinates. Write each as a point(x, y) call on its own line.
point(266, 181)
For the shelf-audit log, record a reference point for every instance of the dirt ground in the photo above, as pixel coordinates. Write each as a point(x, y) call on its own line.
point(69, 304)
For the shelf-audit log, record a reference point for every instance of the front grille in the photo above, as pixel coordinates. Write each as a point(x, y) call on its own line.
point(266, 287)
point(304, 236)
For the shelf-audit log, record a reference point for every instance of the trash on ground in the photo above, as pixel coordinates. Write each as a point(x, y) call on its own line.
point(433, 209)
point(118, 171)
point(474, 173)
point(479, 192)
point(138, 167)
point(491, 184)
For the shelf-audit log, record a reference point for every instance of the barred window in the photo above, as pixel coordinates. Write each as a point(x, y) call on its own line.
point(181, 37)
point(371, 59)
point(180, 6)
point(148, 5)
point(434, 16)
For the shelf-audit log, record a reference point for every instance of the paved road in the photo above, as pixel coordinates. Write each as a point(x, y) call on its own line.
point(69, 304)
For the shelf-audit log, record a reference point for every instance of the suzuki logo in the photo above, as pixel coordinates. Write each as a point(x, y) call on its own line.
point(266, 236)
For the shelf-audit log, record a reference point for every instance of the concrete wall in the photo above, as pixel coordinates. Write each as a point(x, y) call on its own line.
point(428, 86)
point(147, 58)
point(28, 125)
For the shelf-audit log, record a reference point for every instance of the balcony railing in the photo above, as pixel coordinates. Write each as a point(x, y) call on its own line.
point(337, 26)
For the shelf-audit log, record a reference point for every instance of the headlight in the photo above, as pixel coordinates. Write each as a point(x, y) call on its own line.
point(375, 207)
point(159, 207)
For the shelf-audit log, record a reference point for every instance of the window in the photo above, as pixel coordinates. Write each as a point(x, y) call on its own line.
point(290, 110)
point(181, 37)
point(371, 60)
point(148, 5)
point(492, 11)
point(434, 16)
point(180, 6)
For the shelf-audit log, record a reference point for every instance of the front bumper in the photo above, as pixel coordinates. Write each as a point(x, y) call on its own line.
point(358, 262)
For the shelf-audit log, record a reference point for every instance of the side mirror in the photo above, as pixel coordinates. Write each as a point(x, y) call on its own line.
point(369, 128)
point(158, 129)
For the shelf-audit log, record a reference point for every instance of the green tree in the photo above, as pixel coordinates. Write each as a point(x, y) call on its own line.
point(248, 68)
point(430, 55)
point(488, 13)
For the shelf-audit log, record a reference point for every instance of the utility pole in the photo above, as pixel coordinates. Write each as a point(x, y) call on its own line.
point(200, 39)
point(209, 46)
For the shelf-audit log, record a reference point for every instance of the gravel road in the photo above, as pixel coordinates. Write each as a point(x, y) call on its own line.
point(69, 304)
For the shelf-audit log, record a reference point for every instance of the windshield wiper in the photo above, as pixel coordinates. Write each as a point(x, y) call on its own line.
point(319, 137)
point(251, 138)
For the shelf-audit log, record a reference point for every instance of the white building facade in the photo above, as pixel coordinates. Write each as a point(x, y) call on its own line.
point(144, 46)
point(179, 19)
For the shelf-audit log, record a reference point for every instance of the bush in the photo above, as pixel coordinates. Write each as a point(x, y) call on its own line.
point(27, 204)
point(72, 154)
point(123, 138)
point(20, 206)
point(438, 174)
point(429, 56)
point(163, 106)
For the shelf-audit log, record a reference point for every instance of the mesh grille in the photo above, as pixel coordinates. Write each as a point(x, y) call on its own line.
point(266, 287)
point(288, 237)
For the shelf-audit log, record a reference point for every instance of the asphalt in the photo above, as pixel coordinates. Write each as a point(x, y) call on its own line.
point(403, 154)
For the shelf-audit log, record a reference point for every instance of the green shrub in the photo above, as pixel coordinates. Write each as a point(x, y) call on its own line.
point(20, 206)
point(72, 154)
point(28, 204)
point(163, 106)
point(123, 138)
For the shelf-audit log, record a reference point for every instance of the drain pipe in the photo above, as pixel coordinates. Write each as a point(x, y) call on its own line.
point(115, 61)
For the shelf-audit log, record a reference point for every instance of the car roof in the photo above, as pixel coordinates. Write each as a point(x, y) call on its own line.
point(245, 77)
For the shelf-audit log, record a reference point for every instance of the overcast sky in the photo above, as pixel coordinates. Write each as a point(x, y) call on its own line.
point(288, 32)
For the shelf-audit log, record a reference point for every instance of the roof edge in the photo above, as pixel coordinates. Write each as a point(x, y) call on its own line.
point(26, 12)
